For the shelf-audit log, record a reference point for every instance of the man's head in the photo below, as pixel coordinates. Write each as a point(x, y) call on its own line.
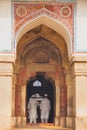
point(32, 96)
point(45, 95)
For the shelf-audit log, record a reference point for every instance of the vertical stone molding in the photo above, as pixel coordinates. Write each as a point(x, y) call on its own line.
point(13, 106)
point(69, 118)
point(57, 103)
point(69, 94)
point(23, 100)
point(18, 101)
point(23, 105)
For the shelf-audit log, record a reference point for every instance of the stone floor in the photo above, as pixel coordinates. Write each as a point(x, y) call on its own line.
point(41, 127)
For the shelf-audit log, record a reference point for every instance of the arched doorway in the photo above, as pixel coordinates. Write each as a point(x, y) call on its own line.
point(41, 85)
point(42, 50)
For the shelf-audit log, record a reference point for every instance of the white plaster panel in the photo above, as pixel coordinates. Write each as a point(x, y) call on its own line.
point(81, 26)
point(81, 96)
point(5, 25)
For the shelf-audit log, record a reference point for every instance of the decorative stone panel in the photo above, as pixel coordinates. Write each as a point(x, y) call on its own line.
point(27, 11)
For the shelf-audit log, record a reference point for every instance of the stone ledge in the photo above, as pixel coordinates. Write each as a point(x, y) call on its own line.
point(6, 69)
point(79, 68)
point(82, 58)
point(7, 57)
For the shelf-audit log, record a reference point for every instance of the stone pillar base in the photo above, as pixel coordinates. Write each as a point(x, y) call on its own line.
point(18, 121)
point(60, 121)
point(57, 121)
point(63, 121)
point(13, 121)
point(23, 121)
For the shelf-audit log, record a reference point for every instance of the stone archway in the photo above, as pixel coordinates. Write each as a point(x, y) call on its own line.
point(42, 50)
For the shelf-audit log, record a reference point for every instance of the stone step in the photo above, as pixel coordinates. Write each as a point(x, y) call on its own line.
point(41, 128)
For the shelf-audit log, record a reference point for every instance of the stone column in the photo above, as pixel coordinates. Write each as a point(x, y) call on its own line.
point(57, 103)
point(70, 91)
point(57, 96)
point(6, 75)
point(63, 95)
point(80, 92)
point(13, 106)
point(6, 67)
point(18, 105)
point(23, 105)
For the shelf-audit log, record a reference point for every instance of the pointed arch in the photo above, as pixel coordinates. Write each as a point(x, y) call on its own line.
point(51, 23)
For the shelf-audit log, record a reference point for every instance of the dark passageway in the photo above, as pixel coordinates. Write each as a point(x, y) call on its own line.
point(39, 84)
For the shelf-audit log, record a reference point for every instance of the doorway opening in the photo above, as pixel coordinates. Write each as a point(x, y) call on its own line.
point(40, 84)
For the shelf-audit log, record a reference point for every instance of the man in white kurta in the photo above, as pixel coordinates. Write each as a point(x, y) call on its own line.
point(45, 109)
point(32, 108)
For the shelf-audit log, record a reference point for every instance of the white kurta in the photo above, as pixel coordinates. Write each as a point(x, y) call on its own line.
point(45, 108)
point(32, 107)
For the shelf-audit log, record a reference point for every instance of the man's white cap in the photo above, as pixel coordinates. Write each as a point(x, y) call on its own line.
point(33, 96)
point(37, 95)
point(45, 95)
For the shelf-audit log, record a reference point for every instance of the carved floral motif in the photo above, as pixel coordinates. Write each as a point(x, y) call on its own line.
point(65, 11)
point(21, 11)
